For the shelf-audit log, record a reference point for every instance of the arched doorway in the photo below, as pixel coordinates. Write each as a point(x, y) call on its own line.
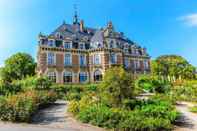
point(98, 76)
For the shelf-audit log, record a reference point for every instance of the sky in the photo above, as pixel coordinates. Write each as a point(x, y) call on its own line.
point(162, 26)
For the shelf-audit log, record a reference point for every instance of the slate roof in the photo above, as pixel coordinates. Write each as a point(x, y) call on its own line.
point(73, 31)
point(94, 35)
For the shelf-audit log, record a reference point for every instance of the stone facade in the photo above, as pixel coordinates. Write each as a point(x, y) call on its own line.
point(74, 53)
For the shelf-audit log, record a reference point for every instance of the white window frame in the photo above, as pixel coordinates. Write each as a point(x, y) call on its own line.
point(54, 60)
point(53, 75)
point(115, 56)
point(70, 62)
point(95, 62)
point(69, 43)
point(85, 62)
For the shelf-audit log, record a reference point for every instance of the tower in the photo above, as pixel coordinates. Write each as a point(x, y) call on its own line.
point(75, 18)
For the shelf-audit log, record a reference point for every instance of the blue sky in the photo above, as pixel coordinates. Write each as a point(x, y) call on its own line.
point(162, 26)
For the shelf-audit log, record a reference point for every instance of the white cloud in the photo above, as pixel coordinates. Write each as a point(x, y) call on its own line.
point(190, 19)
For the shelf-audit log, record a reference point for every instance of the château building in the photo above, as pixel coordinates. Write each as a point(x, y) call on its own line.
point(74, 53)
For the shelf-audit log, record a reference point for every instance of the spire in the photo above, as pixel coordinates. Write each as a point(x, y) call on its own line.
point(75, 19)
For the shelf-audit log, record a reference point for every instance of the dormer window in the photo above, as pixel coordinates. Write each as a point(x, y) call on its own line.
point(99, 45)
point(58, 35)
point(67, 45)
point(81, 46)
point(126, 50)
point(51, 43)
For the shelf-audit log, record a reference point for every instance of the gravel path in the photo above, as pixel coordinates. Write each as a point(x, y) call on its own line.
point(53, 118)
point(188, 120)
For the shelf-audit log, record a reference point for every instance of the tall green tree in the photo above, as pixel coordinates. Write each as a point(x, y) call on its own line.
point(17, 67)
point(173, 67)
point(117, 86)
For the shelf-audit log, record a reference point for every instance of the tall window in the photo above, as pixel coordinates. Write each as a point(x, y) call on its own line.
point(113, 58)
point(111, 44)
point(126, 62)
point(67, 59)
point(51, 58)
point(67, 77)
point(52, 76)
point(83, 77)
point(137, 64)
point(146, 65)
point(97, 59)
point(82, 60)
point(97, 76)
point(67, 45)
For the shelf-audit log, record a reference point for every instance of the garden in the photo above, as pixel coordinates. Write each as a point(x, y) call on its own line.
point(115, 103)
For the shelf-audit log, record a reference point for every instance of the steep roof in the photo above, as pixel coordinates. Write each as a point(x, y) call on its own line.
point(73, 31)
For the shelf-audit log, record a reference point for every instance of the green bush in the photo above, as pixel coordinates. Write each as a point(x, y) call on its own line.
point(20, 107)
point(157, 113)
point(7, 88)
point(185, 93)
point(36, 82)
point(100, 115)
point(73, 107)
point(73, 91)
point(193, 109)
point(134, 121)
point(152, 84)
point(29, 83)
point(116, 86)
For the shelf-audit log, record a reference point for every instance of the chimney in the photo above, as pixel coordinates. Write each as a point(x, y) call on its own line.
point(81, 25)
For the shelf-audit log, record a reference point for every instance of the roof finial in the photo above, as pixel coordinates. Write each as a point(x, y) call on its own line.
point(75, 19)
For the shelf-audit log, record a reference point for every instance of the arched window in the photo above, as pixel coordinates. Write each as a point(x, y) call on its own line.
point(52, 76)
point(67, 77)
point(83, 77)
point(98, 76)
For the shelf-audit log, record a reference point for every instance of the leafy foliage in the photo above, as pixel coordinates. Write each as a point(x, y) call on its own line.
point(173, 67)
point(73, 91)
point(186, 91)
point(154, 114)
point(37, 83)
point(193, 109)
point(116, 86)
point(20, 107)
point(17, 67)
point(115, 107)
point(152, 84)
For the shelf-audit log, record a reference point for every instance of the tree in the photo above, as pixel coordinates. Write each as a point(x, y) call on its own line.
point(17, 67)
point(116, 86)
point(173, 67)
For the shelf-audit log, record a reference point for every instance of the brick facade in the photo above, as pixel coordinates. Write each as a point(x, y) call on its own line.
point(96, 49)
